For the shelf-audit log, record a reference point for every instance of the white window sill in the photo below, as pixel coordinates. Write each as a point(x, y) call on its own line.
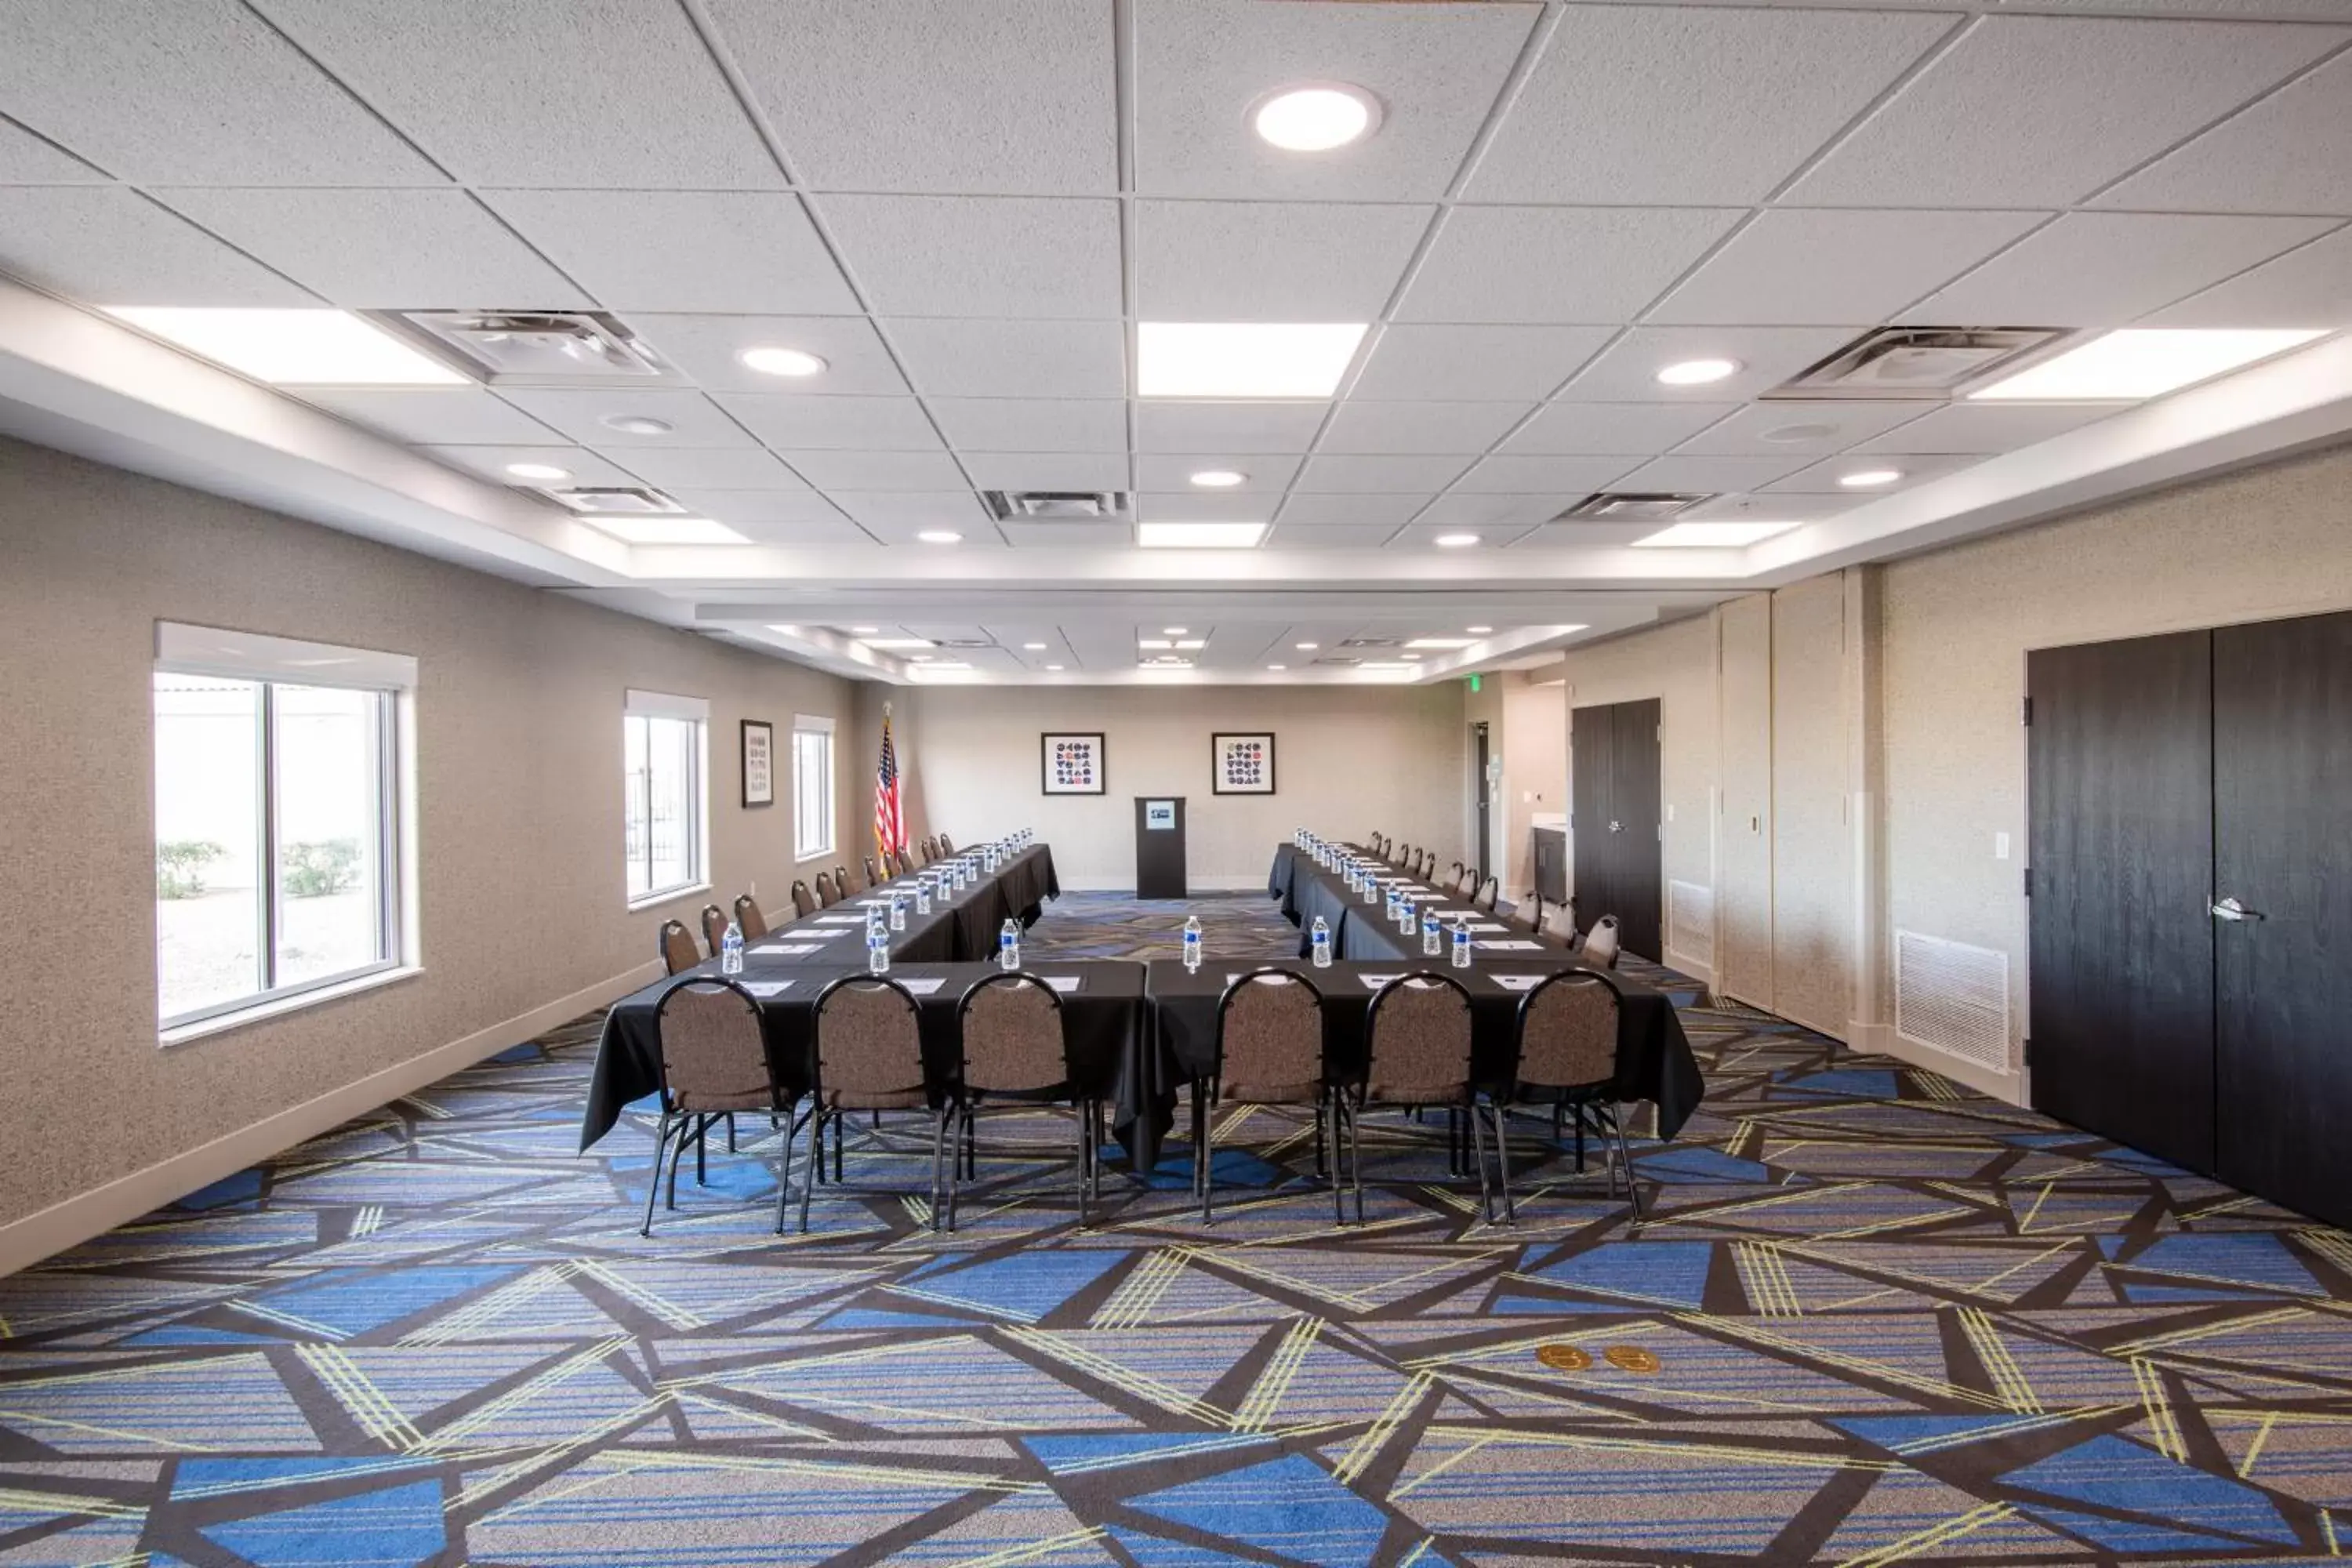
point(813, 857)
point(668, 896)
point(278, 1007)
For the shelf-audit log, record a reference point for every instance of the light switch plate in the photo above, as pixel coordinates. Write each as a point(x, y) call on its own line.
point(2001, 846)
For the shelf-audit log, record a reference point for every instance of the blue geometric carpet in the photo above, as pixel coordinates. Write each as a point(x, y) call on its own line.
point(1872, 1318)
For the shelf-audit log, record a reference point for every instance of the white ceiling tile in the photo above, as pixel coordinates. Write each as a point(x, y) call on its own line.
point(1690, 104)
point(401, 249)
point(1462, 508)
point(1032, 423)
point(896, 516)
point(766, 509)
point(721, 252)
point(1573, 477)
point(1202, 65)
point(1708, 475)
point(581, 413)
point(1822, 477)
point(1468, 362)
point(1586, 535)
point(1067, 535)
point(2290, 153)
point(921, 471)
point(979, 255)
point(1424, 536)
point(1627, 370)
point(1272, 261)
point(1811, 508)
point(784, 420)
point(1357, 475)
point(620, 93)
point(1260, 472)
point(433, 416)
point(2100, 270)
point(26, 160)
point(1330, 536)
point(2307, 288)
point(1226, 427)
point(1406, 427)
point(198, 91)
point(1793, 267)
point(490, 463)
point(1800, 428)
point(705, 347)
point(1557, 264)
point(1989, 427)
point(104, 245)
point(832, 532)
point(1206, 506)
point(1048, 470)
point(1575, 430)
point(2008, 116)
point(1011, 359)
point(934, 95)
point(1386, 512)
point(710, 468)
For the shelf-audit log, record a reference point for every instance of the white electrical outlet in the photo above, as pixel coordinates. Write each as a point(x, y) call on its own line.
point(2001, 846)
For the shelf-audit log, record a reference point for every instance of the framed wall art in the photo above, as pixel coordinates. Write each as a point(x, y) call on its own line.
point(1073, 764)
point(1242, 764)
point(759, 763)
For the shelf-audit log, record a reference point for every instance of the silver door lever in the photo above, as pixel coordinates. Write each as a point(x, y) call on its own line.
point(2231, 910)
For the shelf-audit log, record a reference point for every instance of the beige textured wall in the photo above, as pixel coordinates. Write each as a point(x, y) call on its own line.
point(1745, 818)
point(519, 783)
point(1535, 768)
point(1812, 867)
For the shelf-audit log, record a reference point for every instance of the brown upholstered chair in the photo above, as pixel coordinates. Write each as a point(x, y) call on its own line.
point(804, 901)
point(1417, 1053)
point(1453, 877)
point(1269, 1052)
point(714, 927)
point(712, 1062)
point(1401, 857)
point(1599, 949)
point(1567, 1034)
point(1467, 887)
point(1489, 894)
point(946, 847)
point(826, 894)
point(1015, 1053)
point(1528, 916)
point(1560, 921)
point(748, 916)
point(872, 873)
point(930, 848)
point(868, 1047)
point(677, 950)
point(900, 866)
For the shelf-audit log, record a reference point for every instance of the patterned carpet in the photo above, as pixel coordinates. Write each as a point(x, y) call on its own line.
point(1872, 1319)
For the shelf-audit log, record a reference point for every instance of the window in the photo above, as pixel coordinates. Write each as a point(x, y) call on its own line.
point(663, 836)
point(811, 787)
point(278, 842)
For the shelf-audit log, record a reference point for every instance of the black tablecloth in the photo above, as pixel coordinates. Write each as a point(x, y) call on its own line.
point(962, 928)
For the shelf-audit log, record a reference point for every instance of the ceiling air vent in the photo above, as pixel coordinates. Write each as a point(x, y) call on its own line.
point(1057, 506)
point(1338, 659)
point(513, 347)
point(617, 501)
point(1916, 362)
point(1372, 642)
point(1630, 506)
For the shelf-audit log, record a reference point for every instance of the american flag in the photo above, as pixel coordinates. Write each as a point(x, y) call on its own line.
point(889, 827)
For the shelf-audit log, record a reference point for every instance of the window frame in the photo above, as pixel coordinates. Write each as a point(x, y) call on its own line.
point(811, 724)
point(695, 711)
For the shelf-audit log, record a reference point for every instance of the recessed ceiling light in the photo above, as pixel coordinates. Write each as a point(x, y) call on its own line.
point(1243, 359)
point(538, 471)
point(667, 530)
point(1714, 535)
point(1198, 535)
point(293, 348)
point(2142, 362)
point(1218, 478)
point(1316, 117)
point(1034, 646)
point(1055, 667)
point(636, 424)
point(1869, 478)
point(1478, 631)
point(865, 631)
point(1439, 642)
point(1698, 372)
point(1278, 666)
point(1409, 658)
point(1172, 631)
point(1455, 540)
point(897, 642)
point(939, 536)
point(780, 361)
point(1307, 646)
point(919, 658)
point(1782, 435)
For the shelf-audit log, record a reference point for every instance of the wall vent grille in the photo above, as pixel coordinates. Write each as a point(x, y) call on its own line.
point(1952, 997)
point(1690, 921)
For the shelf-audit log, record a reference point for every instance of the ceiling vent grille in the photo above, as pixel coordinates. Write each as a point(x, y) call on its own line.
point(540, 347)
point(1630, 506)
point(617, 501)
point(1690, 921)
point(1339, 659)
point(1372, 642)
point(1916, 362)
point(1058, 506)
point(1952, 997)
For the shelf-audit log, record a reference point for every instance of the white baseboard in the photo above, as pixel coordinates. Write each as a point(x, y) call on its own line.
point(25, 1242)
point(1882, 1039)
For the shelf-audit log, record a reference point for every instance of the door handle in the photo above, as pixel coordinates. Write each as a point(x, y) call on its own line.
point(2231, 910)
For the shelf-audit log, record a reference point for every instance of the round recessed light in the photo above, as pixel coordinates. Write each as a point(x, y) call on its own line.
point(1869, 478)
point(1784, 433)
point(1172, 631)
point(1034, 646)
point(1697, 372)
point(1455, 540)
point(636, 425)
point(1278, 666)
point(866, 631)
point(1306, 646)
point(1315, 117)
point(780, 361)
point(538, 471)
point(1478, 631)
point(1218, 478)
point(940, 536)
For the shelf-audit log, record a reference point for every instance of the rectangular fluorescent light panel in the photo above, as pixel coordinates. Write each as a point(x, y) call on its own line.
point(1243, 359)
point(1198, 535)
point(897, 642)
point(293, 348)
point(1441, 642)
point(1714, 535)
point(665, 530)
point(2142, 362)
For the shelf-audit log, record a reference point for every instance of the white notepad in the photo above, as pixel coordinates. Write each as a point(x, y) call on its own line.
point(827, 934)
point(923, 987)
point(1516, 945)
point(768, 987)
point(786, 949)
point(1374, 981)
point(1489, 925)
point(841, 919)
point(1518, 982)
point(1065, 984)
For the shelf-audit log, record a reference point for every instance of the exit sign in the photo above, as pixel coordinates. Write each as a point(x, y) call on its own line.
point(1474, 683)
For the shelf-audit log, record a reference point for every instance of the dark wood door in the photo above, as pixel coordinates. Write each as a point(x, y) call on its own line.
point(2120, 764)
point(1633, 808)
point(1592, 742)
point(2283, 849)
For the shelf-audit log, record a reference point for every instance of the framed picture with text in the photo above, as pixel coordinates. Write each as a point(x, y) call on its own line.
point(759, 763)
point(1241, 764)
point(1072, 764)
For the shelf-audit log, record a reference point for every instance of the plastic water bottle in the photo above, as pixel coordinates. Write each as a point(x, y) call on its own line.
point(897, 911)
point(878, 949)
point(1371, 889)
point(1461, 944)
point(1193, 943)
point(730, 950)
point(923, 894)
point(1432, 941)
point(1008, 946)
point(1320, 944)
point(1405, 907)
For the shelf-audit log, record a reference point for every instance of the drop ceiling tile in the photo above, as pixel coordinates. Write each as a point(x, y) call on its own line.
point(433, 416)
point(784, 420)
point(1573, 477)
point(490, 463)
point(716, 252)
point(579, 413)
point(1708, 475)
point(1272, 261)
point(1226, 427)
point(1048, 470)
point(1260, 472)
point(1203, 506)
point(1067, 535)
point(1627, 370)
point(1584, 535)
point(830, 532)
point(896, 516)
point(2307, 288)
point(620, 93)
point(104, 245)
point(1462, 508)
point(1419, 362)
point(705, 348)
point(26, 160)
point(1384, 511)
point(383, 249)
point(1822, 477)
point(1811, 508)
point(934, 95)
point(764, 509)
point(1557, 264)
point(1330, 536)
point(1690, 104)
point(1360, 476)
point(1793, 267)
point(1011, 359)
point(1411, 427)
point(710, 468)
point(1800, 428)
point(1031, 424)
point(1989, 427)
point(2003, 118)
point(979, 255)
point(1424, 536)
point(198, 91)
point(1578, 429)
point(2290, 153)
point(2100, 270)
point(919, 471)
point(1202, 65)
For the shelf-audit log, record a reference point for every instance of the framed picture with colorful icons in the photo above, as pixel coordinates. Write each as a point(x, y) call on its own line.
point(1241, 764)
point(1073, 764)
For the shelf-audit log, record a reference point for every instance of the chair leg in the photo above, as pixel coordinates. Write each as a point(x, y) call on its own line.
point(1478, 1136)
point(1625, 1158)
point(731, 1132)
point(652, 1188)
point(1322, 1102)
point(971, 1145)
point(677, 1158)
point(939, 1149)
point(815, 1171)
point(702, 1150)
point(1204, 1160)
point(784, 1177)
point(1502, 1159)
point(840, 1123)
point(1338, 1108)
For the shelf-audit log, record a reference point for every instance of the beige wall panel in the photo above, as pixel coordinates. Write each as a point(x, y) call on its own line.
point(1744, 892)
point(1812, 868)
